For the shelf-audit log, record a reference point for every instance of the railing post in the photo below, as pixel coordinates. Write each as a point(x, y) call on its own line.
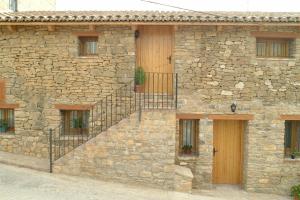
point(50, 149)
point(176, 89)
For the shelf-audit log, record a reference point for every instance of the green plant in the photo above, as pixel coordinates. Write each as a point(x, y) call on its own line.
point(295, 154)
point(3, 125)
point(77, 123)
point(187, 148)
point(295, 191)
point(139, 76)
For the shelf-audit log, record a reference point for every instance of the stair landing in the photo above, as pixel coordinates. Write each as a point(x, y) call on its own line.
point(40, 164)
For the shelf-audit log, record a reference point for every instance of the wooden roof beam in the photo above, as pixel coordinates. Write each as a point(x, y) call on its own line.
point(51, 28)
point(12, 28)
point(92, 27)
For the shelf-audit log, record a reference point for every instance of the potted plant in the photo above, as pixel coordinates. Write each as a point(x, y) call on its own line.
point(187, 149)
point(3, 125)
point(139, 79)
point(295, 191)
point(295, 154)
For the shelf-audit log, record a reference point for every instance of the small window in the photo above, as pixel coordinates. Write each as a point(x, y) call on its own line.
point(88, 46)
point(188, 141)
point(292, 137)
point(278, 48)
point(7, 122)
point(13, 5)
point(75, 122)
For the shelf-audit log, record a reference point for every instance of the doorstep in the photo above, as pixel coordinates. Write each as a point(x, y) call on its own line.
point(40, 164)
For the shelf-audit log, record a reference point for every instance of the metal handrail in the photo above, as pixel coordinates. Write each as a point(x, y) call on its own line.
point(158, 92)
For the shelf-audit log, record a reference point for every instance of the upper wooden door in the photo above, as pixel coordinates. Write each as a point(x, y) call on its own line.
point(228, 148)
point(154, 54)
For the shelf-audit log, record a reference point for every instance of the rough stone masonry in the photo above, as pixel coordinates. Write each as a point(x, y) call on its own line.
point(215, 68)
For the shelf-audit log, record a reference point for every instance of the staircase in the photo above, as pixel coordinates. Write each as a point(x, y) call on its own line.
point(113, 108)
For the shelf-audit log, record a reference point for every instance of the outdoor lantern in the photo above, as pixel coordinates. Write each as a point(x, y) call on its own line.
point(233, 107)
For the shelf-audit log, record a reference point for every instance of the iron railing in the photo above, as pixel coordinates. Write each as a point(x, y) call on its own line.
point(159, 91)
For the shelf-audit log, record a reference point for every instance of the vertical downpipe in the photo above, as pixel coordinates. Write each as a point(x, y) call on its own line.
point(50, 149)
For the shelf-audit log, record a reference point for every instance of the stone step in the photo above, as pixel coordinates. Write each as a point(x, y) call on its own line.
point(40, 164)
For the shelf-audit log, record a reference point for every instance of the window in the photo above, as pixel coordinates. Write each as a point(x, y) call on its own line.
point(75, 122)
point(88, 46)
point(7, 123)
point(278, 48)
point(188, 141)
point(292, 137)
point(13, 5)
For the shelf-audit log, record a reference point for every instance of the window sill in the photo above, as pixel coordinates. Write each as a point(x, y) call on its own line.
point(7, 135)
point(291, 160)
point(88, 57)
point(188, 156)
point(276, 59)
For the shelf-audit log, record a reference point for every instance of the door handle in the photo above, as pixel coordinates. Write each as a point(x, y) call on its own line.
point(214, 151)
point(170, 59)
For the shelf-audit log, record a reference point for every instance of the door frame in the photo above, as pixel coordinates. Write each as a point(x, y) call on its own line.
point(242, 141)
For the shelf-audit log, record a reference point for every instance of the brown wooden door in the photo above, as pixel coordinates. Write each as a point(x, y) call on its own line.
point(227, 166)
point(154, 55)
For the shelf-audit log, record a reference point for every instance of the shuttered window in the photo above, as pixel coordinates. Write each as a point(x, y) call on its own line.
point(292, 137)
point(88, 46)
point(7, 121)
point(75, 121)
point(189, 131)
point(278, 48)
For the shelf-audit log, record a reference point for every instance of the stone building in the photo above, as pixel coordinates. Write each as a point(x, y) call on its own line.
point(155, 98)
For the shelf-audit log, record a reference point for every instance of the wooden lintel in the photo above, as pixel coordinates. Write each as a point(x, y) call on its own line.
point(260, 28)
point(231, 116)
point(289, 117)
point(219, 28)
point(2, 91)
point(92, 27)
point(73, 107)
point(266, 34)
point(51, 28)
point(8, 106)
point(11, 28)
point(189, 116)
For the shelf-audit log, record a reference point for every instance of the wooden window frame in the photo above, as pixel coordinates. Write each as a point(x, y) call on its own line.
point(82, 45)
point(269, 47)
point(67, 124)
point(11, 124)
point(195, 132)
point(294, 140)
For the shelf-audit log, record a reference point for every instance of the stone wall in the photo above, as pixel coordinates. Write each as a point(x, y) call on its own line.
point(42, 69)
point(217, 68)
point(130, 152)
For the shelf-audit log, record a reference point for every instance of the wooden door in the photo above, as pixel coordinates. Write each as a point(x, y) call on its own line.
point(228, 148)
point(154, 54)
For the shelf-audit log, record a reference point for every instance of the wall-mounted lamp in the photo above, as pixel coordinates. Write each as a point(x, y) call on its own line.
point(233, 107)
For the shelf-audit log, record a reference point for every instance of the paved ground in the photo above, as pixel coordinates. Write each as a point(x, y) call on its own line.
point(25, 184)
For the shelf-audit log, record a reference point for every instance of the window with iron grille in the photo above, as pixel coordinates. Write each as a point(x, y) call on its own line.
point(7, 122)
point(75, 122)
point(274, 48)
point(292, 137)
point(188, 133)
point(88, 46)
